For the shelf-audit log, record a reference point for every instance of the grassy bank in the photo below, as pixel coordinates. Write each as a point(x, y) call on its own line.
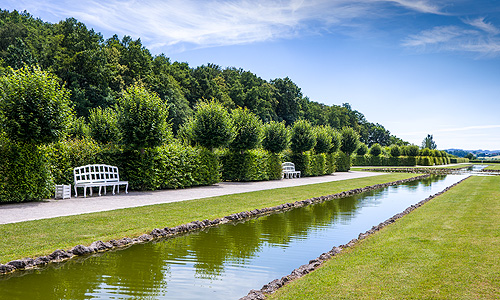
point(447, 249)
point(41, 237)
point(493, 167)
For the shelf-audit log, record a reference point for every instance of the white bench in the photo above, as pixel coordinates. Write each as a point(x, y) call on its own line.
point(289, 170)
point(90, 176)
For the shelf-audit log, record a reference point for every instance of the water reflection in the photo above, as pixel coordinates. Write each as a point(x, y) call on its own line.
point(222, 262)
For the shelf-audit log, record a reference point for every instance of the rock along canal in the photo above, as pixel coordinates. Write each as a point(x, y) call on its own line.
point(223, 262)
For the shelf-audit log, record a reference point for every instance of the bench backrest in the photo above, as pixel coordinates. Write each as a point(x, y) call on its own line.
point(288, 166)
point(96, 173)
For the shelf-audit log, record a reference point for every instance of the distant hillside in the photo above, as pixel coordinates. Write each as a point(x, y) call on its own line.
point(477, 153)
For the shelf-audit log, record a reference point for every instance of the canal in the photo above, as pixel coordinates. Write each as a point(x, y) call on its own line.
point(223, 262)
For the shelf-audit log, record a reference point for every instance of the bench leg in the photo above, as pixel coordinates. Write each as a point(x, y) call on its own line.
point(126, 188)
point(114, 189)
point(76, 192)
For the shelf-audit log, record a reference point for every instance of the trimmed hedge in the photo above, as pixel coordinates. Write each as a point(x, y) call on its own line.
point(169, 166)
point(369, 160)
point(342, 162)
point(24, 172)
point(251, 165)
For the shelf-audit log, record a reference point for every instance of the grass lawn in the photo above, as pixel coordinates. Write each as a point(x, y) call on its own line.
point(41, 237)
point(493, 167)
point(453, 166)
point(447, 249)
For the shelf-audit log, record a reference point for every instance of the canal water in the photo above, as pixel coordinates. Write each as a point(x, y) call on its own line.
point(223, 262)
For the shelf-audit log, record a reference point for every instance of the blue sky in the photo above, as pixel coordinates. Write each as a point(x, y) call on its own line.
point(417, 67)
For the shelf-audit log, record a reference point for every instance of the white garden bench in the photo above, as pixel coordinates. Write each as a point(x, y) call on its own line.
point(289, 170)
point(90, 176)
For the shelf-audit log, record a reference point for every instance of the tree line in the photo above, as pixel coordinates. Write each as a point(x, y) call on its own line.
point(97, 73)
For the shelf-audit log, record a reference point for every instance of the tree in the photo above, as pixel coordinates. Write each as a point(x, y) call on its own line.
point(248, 130)
point(288, 96)
point(212, 127)
point(103, 125)
point(276, 137)
point(428, 142)
point(34, 108)
point(142, 118)
point(302, 137)
point(362, 149)
point(470, 156)
point(375, 150)
point(350, 140)
point(395, 151)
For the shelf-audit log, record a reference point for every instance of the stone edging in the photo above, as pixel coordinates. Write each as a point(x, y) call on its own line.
point(274, 285)
point(100, 246)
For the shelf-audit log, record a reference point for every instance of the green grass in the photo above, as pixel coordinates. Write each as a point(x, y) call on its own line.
point(493, 167)
point(447, 249)
point(453, 166)
point(41, 237)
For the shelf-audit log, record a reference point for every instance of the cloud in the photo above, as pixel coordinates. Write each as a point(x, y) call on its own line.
point(458, 38)
point(485, 26)
point(421, 6)
point(191, 23)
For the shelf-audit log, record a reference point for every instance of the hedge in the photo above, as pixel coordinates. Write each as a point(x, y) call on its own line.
point(24, 172)
point(250, 165)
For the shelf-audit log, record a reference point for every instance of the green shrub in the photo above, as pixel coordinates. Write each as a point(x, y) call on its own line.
point(342, 162)
point(142, 118)
point(412, 150)
point(248, 130)
point(24, 172)
point(375, 150)
point(302, 137)
point(169, 166)
point(362, 149)
point(64, 156)
point(395, 151)
point(330, 163)
point(276, 137)
point(318, 165)
point(323, 139)
point(425, 152)
point(274, 166)
point(211, 127)
point(361, 160)
point(34, 108)
point(349, 141)
point(103, 125)
point(302, 162)
point(252, 165)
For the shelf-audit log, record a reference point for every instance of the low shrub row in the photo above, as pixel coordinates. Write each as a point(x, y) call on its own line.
point(408, 161)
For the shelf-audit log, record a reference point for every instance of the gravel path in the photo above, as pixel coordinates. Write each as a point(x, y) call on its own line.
point(19, 212)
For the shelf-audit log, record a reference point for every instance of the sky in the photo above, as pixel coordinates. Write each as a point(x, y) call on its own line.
point(417, 67)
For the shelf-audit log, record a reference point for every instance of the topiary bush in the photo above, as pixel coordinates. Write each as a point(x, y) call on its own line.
point(349, 140)
point(395, 151)
point(375, 150)
point(276, 137)
point(302, 137)
point(323, 139)
point(103, 125)
point(362, 149)
point(248, 130)
point(142, 118)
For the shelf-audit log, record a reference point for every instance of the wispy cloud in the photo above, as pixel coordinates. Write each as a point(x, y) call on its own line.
point(222, 22)
point(473, 36)
point(483, 25)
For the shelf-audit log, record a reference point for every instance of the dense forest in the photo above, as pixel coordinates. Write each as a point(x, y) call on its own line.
point(96, 71)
